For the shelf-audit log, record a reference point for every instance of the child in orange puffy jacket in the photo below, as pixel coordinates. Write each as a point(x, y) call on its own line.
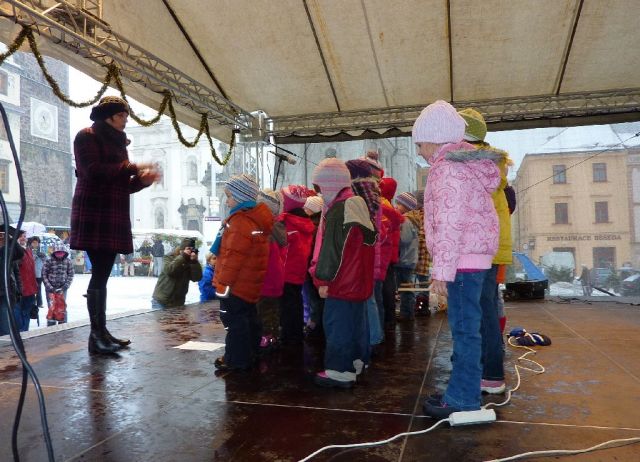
point(242, 248)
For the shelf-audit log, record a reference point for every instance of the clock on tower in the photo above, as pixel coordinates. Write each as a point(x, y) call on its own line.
point(44, 120)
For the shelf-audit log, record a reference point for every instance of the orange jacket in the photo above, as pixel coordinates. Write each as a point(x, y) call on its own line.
point(244, 253)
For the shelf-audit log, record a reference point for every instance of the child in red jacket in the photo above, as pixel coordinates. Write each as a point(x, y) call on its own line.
point(300, 230)
point(342, 268)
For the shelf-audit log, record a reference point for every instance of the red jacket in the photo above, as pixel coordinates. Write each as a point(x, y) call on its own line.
point(346, 256)
point(28, 274)
point(274, 278)
point(299, 239)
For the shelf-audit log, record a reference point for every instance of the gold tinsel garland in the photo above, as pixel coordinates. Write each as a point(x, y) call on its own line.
point(113, 74)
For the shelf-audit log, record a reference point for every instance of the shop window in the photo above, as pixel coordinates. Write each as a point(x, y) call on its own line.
point(599, 172)
point(604, 257)
point(559, 174)
point(602, 212)
point(562, 213)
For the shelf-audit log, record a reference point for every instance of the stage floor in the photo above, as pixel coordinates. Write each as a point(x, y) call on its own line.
point(158, 403)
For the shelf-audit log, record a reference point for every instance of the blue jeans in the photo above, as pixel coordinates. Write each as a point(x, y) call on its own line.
point(492, 352)
point(377, 290)
point(465, 319)
point(344, 328)
point(407, 299)
point(376, 334)
point(22, 312)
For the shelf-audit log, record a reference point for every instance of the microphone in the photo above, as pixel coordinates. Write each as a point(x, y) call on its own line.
point(291, 160)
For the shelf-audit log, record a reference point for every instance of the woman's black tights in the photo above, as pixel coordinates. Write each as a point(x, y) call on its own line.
point(101, 264)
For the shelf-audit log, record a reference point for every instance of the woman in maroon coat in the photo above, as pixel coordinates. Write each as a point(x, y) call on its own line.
point(100, 222)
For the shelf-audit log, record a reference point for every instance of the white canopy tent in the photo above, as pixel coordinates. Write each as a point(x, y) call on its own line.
point(321, 67)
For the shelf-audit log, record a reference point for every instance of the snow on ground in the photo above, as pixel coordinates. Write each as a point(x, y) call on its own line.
point(124, 294)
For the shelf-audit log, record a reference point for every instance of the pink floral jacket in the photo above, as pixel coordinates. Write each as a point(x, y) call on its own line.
point(460, 220)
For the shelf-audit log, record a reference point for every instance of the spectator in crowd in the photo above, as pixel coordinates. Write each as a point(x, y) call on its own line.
point(13, 278)
point(207, 291)
point(22, 309)
point(157, 252)
point(100, 210)
point(57, 274)
point(178, 269)
point(39, 257)
point(129, 269)
point(585, 280)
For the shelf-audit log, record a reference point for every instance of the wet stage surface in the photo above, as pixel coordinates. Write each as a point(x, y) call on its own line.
point(157, 403)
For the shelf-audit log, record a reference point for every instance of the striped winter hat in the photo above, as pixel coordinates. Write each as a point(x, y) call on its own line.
point(476, 126)
point(242, 188)
point(294, 196)
point(314, 203)
point(272, 199)
point(408, 200)
point(438, 123)
point(332, 176)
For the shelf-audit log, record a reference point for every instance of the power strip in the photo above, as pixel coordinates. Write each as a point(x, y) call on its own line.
point(457, 419)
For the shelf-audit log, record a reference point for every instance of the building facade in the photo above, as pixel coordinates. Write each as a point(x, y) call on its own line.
point(576, 202)
point(39, 123)
point(186, 194)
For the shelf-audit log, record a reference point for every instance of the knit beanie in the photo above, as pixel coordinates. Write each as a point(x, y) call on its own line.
point(408, 200)
point(294, 196)
point(476, 126)
point(376, 166)
point(188, 242)
point(388, 187)
point(107, 107)
point(438, 123)
point(359, 168)
point(242, 188)
point(314, 203)
point(332, 176)
point(272, 199)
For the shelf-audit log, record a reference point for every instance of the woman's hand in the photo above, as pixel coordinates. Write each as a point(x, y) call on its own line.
point(323, 291)
point(438, 287)
point(150, 175)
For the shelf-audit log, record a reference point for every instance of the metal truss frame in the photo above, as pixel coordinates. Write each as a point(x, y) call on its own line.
point(507, 111)
point(81, 30)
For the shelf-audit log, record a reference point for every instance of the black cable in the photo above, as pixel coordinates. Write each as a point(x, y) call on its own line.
point(14, 333)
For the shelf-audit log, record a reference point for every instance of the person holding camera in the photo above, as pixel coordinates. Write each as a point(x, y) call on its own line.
point(178, 269)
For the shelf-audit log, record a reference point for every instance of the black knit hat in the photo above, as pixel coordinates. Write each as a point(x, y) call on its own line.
point(188, 242)
point(108, 106)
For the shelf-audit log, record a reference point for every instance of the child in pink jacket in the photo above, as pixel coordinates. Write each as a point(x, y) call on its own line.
point(268, 307)
point(461, 228)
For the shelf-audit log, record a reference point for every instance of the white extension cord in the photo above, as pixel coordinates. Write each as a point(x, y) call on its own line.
point(485, 415)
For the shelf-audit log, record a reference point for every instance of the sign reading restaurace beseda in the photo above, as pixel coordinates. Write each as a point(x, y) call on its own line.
point(585, 237)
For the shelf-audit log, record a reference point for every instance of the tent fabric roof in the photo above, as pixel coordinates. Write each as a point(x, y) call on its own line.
point(297, 57)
